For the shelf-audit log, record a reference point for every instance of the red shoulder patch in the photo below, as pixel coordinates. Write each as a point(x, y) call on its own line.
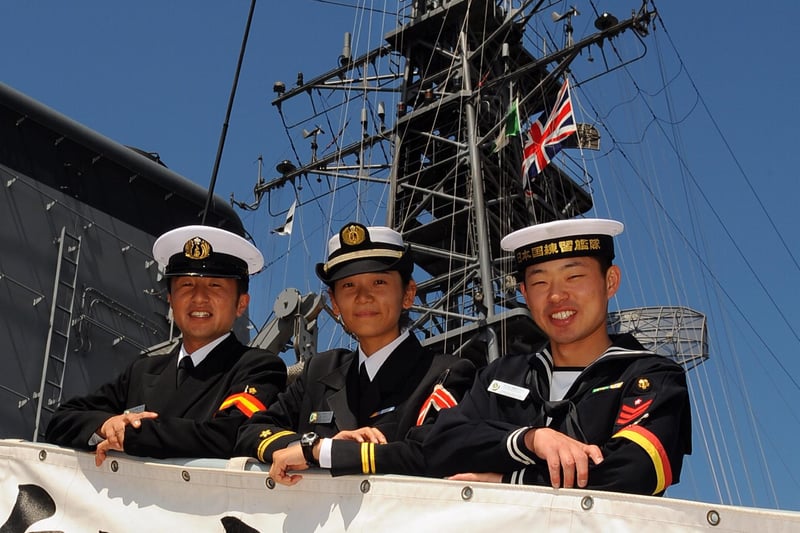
point(633, 410)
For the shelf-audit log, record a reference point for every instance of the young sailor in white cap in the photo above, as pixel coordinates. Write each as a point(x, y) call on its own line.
point(587, 409)
point(361, 411)
point(191, 402)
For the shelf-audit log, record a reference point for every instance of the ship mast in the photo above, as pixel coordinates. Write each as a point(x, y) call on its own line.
point(453, 196)
point(455, 68)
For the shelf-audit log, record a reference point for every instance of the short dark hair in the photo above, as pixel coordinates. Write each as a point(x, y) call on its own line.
point(605, 263)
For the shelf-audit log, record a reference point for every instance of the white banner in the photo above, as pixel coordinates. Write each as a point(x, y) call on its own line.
point(46, 488)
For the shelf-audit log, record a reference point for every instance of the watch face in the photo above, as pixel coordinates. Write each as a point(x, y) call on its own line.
point(307, 442)
point(308, 439)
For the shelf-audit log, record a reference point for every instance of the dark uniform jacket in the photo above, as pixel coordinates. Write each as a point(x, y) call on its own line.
point(631, 403)
point(326, 399)
point(199, 418)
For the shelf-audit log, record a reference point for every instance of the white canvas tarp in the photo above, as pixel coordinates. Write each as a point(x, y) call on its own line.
point(46, 488)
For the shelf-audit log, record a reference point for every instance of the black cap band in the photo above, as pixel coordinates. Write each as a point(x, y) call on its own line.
point(562, 248)
point(216, 265)
point(359, 250)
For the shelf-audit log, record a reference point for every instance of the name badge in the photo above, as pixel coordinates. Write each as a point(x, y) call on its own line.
point(320, 417)
point(137, 409)
point(507, 389)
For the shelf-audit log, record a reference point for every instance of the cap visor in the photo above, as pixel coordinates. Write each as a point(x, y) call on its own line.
point(362, 266)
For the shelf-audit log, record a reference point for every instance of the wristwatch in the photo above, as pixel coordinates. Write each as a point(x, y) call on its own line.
point(307, 443)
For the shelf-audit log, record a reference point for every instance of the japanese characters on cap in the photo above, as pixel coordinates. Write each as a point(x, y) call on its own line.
point(359, 249)
point(561, 239)
point(206, 251)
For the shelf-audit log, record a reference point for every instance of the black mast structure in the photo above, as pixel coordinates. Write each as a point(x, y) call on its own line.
point(457, 67)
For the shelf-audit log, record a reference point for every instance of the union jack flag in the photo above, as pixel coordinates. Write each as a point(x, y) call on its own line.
point(547, 134)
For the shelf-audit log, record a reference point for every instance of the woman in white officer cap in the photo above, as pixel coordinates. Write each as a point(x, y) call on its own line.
point(365, 410)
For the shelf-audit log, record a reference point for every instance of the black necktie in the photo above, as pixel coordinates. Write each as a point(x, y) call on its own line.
point(184, 369)
point(367, 397)
point(363, 378)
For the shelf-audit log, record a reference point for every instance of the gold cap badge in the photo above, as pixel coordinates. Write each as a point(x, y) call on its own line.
point(353, 235)
point(197, 248)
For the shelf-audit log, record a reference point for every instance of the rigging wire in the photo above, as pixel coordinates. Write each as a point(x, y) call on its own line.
point(736, 161)
point(673, 144)
point(331, 106)
point(676, 226)
point(717, 282)
point(617, 147)
point(728, 486)
point(354, 6)
point(662, 125)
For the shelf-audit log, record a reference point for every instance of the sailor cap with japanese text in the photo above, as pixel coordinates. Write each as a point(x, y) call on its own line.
point(561, 239)
point(358, 249)
point(206, 251)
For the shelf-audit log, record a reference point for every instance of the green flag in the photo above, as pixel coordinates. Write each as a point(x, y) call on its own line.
point(511, 127)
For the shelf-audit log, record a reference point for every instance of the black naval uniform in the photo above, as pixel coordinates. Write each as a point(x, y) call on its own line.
point(631, 403)
point(199, 418)
point(327, 399)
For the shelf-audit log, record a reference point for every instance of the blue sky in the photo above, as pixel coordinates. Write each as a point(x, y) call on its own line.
point(156, 75)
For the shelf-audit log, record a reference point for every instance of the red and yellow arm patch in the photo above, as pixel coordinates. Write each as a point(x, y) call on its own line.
point(658, 455)
point(243, 401)
point(439, 399)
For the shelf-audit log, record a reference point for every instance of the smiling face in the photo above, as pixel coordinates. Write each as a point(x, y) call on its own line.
point(568, 299)
point(371, 304)
point(205, 308)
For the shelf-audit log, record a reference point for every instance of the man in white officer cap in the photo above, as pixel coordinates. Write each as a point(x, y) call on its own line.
point(191, 402)
point(588, 409)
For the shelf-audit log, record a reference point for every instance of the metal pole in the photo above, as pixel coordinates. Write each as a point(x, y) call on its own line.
point(484, 254)
point(224, 132)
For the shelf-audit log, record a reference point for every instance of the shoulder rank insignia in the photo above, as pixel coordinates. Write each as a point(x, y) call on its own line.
point(244, 402)
point(633, 414)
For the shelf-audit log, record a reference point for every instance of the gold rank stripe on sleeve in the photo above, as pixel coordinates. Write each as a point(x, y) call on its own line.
point(368, 458)
point(243, 401)
point(262, 446)
point(652, 445)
